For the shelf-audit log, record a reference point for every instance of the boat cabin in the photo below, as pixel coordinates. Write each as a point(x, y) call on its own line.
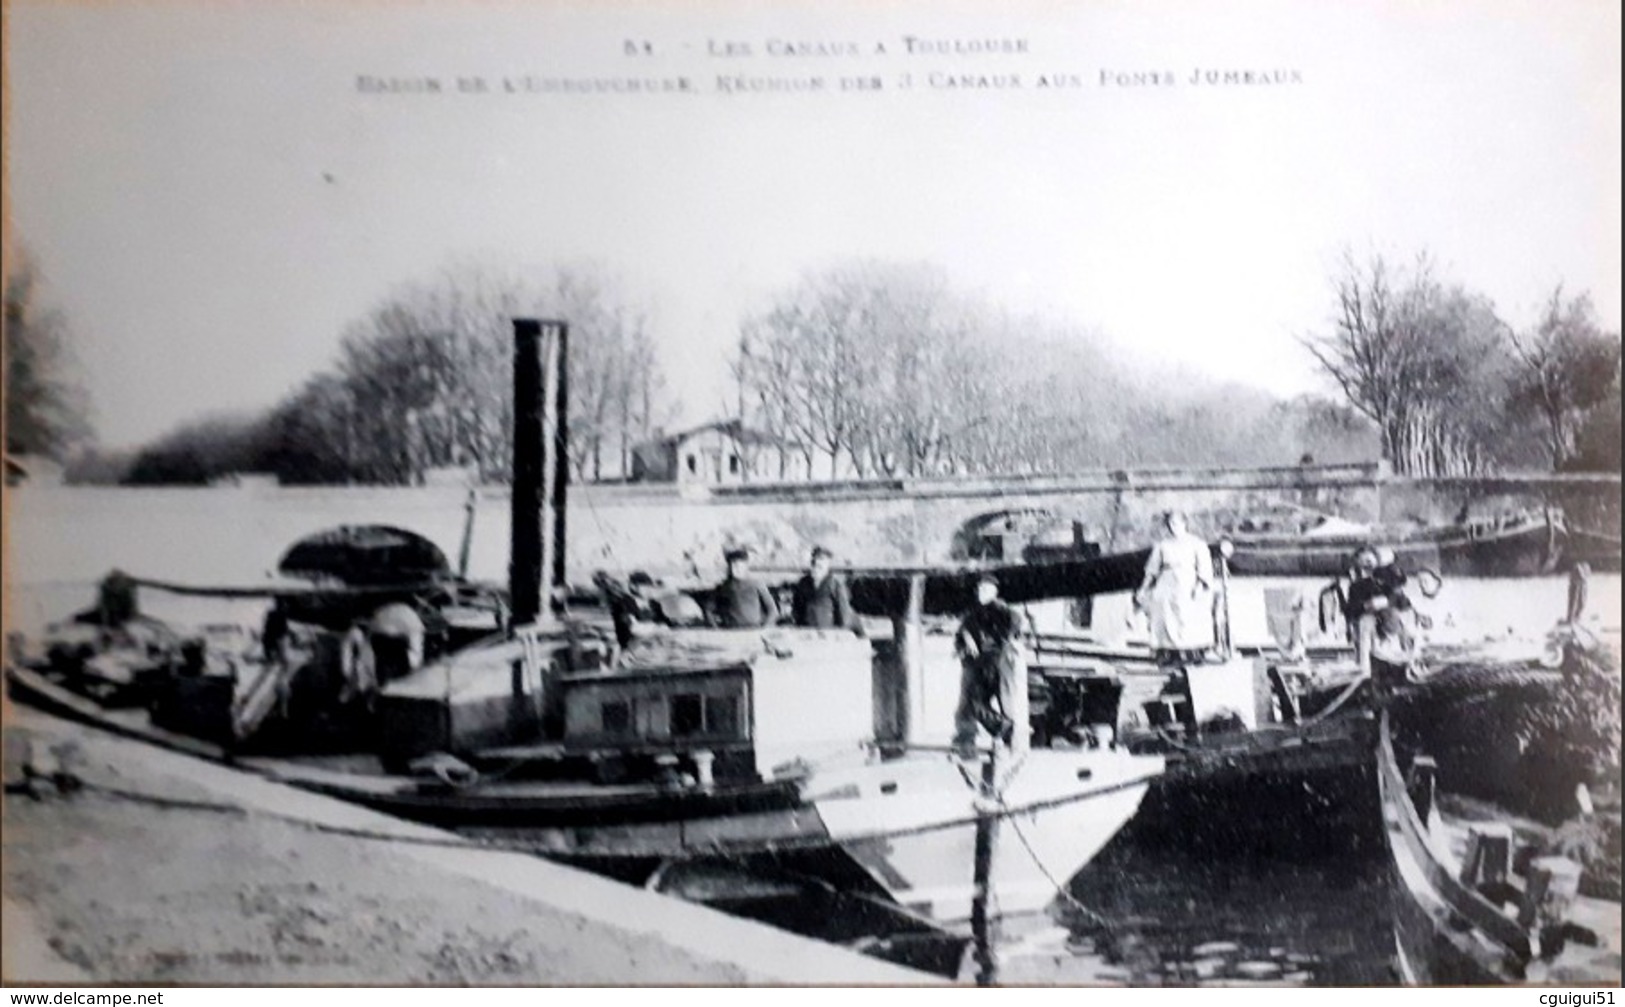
point(712, 704)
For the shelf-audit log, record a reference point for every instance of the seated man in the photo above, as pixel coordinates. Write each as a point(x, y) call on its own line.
point(741, 601)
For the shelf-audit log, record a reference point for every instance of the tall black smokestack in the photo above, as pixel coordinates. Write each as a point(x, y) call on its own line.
point(540, 465)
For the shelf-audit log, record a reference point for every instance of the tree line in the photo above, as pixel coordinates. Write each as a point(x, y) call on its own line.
point(47, 411)
point(871, 369)
point(424, 381)
point(1454, 390)
point(876, 369)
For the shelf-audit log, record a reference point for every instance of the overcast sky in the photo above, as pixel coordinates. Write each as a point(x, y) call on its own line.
point(211, 197)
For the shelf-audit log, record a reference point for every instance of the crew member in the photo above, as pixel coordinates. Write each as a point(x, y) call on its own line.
point(1360, 604)
point(628, 603)
point(1177, 594)
point(741, 601)
point(993, 675)
point(1378, 613)
point(821, 599)
point(1390, 579)
point(1394, 642)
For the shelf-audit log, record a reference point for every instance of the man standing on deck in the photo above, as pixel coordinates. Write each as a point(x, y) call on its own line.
point(1376, 611)
point(993, 673)
point(742, 602)
point(628, 603)
point(1391, 647)
point(821, 599)
point(1364, 599)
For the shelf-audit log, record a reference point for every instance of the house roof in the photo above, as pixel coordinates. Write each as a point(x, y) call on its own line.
point(734, 428)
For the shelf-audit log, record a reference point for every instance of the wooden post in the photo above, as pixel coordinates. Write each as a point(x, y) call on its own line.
point(465, 547)
point(908, 634)
point(1419, 784)
point(1582, 798)
point(1554, 883)
point(987, 831)
point(1579, 590)
point(1488, 860)
point(1365, 630)
point(117, 600)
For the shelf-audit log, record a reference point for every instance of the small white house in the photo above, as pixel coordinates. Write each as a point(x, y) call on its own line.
point(722, 453)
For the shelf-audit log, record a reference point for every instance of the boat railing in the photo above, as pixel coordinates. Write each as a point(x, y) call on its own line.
point(1405, 827)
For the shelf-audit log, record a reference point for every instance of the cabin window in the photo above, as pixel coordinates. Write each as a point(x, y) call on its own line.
point(615, 716)
point(687, 715)
point(733, 465)
point(722, 716)
point(693, 465)
point(1082, 612)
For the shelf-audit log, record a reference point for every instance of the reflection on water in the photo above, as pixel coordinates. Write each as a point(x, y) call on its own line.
point(1181, 918)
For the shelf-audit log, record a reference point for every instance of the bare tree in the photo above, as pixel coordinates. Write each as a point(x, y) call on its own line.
point(1567, 366)
point(770, 394)
point(431, 366)
point(808, 345)
point(47, 412)
point(891, 370)
point(1368, 352)
point(1426, 362)
point(311, 436)
point(864, 362)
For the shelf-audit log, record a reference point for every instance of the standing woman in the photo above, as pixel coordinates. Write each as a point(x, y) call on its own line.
point(1177, 594)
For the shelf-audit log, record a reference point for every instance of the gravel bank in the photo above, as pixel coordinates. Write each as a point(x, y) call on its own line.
point(127, 890)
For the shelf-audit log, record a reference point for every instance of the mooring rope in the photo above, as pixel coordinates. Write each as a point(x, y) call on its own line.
point(1330, 708)
point(1336, 704)
point(1093, 916)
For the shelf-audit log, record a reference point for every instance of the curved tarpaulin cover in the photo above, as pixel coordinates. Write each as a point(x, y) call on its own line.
point(951, 591)
point(363, 555)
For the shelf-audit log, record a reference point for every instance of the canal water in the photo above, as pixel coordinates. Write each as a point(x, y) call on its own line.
point(1294, 897)
point(1303, 910)
point(1199, 918)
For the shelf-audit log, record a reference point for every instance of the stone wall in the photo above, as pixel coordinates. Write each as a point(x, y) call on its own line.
point(914, 521)
point(71, 536)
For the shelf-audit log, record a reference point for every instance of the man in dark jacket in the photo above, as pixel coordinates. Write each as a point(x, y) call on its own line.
point(741, 601)
point(821, 599)
point(628, 603)
point(1379, 613)
point(993, 680)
